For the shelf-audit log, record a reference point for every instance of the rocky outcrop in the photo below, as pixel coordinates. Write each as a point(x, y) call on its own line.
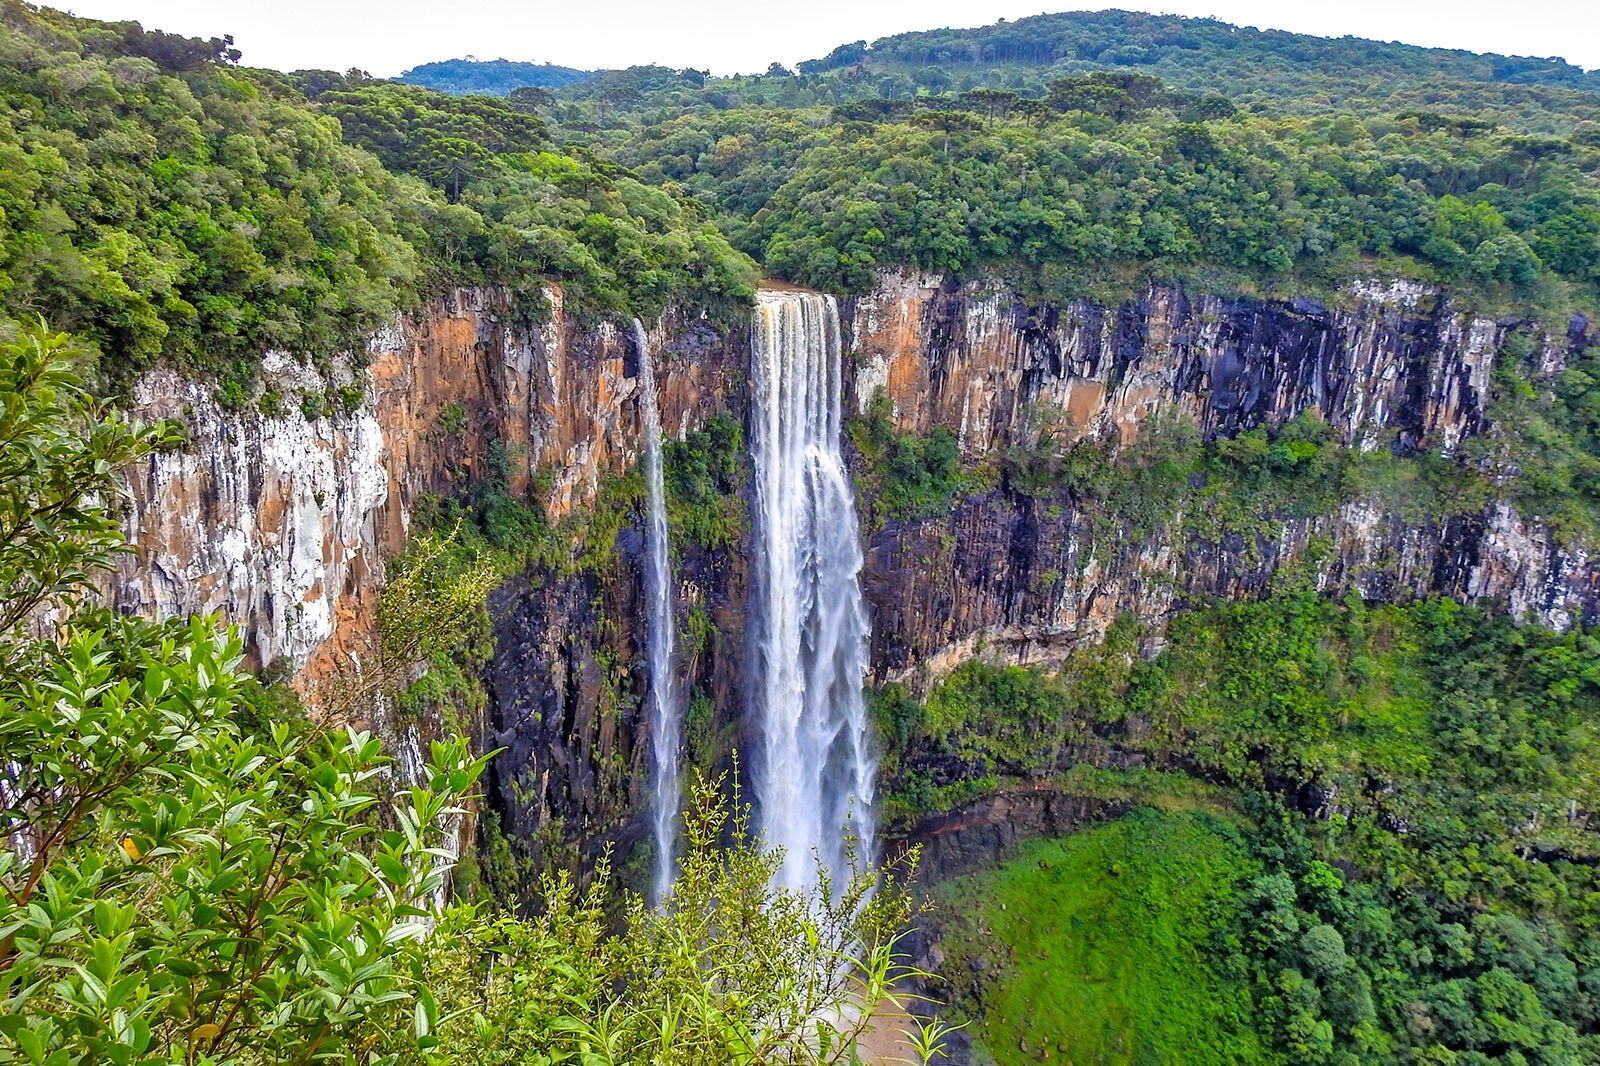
point(1394, 367)
point(268, 522)
point(1024, 581)
point(1020, 579)
point(989, 831)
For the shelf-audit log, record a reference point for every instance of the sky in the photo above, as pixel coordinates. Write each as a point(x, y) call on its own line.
point(385, 37)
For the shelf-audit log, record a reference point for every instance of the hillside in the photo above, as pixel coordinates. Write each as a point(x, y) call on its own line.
point(1270, 71)
point(1183, 48)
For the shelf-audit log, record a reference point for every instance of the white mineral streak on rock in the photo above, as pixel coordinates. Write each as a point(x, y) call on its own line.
point(257, 518)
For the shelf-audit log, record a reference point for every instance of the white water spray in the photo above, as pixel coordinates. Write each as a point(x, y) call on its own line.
point(814, 783)
point(665, 726)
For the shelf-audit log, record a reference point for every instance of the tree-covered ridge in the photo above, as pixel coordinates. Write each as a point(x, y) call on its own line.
point(1116, 174)
point(160, 202)
point(1270, 72)
point(490, 77)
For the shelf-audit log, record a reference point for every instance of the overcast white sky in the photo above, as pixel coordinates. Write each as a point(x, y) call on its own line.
point(730, 36)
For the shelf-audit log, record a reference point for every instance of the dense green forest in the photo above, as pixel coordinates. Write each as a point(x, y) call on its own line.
point(1194, 53)
point(1118, 175)
point(160, 201)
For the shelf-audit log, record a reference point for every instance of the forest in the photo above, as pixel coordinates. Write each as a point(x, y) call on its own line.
point(201, 212)
point(1336, 832)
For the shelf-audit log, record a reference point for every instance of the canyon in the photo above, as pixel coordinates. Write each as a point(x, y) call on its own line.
point(283, 524)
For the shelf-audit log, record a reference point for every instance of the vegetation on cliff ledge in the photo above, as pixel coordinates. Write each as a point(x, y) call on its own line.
point(1432, 896)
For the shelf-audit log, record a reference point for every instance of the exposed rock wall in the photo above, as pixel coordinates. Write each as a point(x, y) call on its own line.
point(281, 522)
point(1396, 366)
point(269, 522)
point(1023, 581)
point(1017, 579)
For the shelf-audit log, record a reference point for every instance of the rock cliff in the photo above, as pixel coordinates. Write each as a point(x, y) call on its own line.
point(280, 518)
point(283, 521)
point(1015, 578)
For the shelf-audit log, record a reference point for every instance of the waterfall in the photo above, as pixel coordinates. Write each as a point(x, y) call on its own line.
point(665, 727)
point(814, 780)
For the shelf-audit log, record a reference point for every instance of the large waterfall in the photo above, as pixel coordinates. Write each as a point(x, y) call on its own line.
point(814, 780)
point(665, 726)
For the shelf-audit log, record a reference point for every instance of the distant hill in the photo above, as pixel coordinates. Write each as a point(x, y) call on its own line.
point(1265, 71)
point(490, 77)
point(1172, 46)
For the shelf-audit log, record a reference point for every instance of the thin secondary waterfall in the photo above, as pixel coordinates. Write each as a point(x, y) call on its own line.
point(814, 781)
point(665, 727)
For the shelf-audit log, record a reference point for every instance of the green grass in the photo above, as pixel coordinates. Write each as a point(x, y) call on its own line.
point(1093, 949)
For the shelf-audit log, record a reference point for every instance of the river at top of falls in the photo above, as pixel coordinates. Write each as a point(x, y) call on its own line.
point(665, 724)
point(814, 778)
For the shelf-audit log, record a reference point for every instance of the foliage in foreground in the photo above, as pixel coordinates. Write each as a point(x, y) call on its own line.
point(182, 878)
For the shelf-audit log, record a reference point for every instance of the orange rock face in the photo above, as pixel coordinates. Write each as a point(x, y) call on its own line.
point(1394, 365)
point(282, 523)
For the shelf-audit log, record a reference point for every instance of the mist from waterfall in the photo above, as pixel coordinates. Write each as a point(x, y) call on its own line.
point(809, 632)
point(666, 727)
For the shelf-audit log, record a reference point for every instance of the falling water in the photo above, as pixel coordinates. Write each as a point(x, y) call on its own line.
point(665, 727)
point(815, 778)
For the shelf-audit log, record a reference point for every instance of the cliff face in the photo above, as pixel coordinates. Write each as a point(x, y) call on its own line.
point(568, 675)
point(1395, 367)
point(283, 523)
point(1015, 578)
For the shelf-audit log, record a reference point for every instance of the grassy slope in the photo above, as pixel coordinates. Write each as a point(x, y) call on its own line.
point(1097, 946)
